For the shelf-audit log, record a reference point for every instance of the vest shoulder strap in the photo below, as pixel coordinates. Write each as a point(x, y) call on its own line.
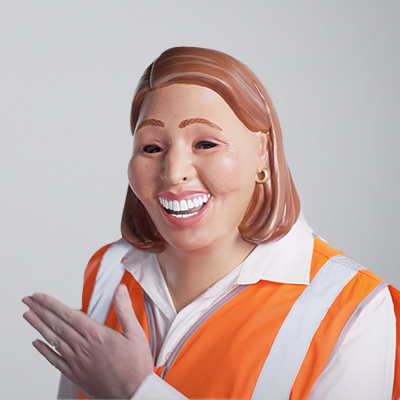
point(104, 269)
point(89, 279)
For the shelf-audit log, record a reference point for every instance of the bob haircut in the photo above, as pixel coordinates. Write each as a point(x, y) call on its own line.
point(274, 206)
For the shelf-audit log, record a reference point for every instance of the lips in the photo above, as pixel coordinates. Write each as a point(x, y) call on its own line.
point(184, 208)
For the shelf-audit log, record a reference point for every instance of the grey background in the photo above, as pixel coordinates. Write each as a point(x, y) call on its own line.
point(68, 71)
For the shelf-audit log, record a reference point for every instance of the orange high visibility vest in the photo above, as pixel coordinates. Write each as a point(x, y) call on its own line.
point(266, 340)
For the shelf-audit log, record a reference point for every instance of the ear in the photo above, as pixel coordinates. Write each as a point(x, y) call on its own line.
point(262, 151)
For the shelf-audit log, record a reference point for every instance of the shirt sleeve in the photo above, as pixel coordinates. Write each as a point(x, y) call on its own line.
point(363, 366)
point(67, 389)
point(154, 388)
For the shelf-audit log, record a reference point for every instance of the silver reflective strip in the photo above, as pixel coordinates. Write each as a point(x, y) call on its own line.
point(151, 323)
point(108, 278)
point(348, 261)
point(201, 320)
point(355, 315)
point(294, 337)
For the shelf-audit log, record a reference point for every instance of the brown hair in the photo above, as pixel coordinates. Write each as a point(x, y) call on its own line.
point(274, 206)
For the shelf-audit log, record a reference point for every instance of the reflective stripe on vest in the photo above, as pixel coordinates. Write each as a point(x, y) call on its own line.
point(291, 343)
point(108, 278)
point(193, 329)
point(282, 371)
point(152, 325)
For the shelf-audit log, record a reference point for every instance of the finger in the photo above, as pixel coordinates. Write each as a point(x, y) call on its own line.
point(56, 331)
point(53, 358)
point(42, 327)
point(126, 315)
point(64, 348)
point(75, 318)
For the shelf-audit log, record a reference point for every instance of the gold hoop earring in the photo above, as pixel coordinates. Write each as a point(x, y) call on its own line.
point(265, 177)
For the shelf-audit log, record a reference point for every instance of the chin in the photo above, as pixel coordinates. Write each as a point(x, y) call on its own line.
point(186, 245)
point(188, 240)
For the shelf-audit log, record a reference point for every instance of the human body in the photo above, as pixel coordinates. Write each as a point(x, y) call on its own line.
point(194, 138)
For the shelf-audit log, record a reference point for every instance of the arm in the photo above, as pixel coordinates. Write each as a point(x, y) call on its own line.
point(363, 366)
point(97, 359)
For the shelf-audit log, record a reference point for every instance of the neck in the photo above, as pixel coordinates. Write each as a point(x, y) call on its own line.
point(190, 273)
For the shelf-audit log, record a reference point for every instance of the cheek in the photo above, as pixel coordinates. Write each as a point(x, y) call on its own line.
point(141, 178)
point(229, 173)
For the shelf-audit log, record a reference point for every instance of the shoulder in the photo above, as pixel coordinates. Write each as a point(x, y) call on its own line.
point(105, 261)
point(323, 252)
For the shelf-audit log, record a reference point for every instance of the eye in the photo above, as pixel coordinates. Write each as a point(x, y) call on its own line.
point(204, 145)
point(152, 148)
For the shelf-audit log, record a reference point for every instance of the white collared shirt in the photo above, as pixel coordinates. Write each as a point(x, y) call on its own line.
point(270, 261)
point(287, 260)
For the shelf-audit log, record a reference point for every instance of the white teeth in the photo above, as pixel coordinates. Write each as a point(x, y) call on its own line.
point(184, 205)
point(183, 215)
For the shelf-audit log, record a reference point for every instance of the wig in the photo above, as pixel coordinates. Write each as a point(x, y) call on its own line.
point(274, 206)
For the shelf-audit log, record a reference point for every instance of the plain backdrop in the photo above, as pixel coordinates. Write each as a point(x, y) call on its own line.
point(68, 72)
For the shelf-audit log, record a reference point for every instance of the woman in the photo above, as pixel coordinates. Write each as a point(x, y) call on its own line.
point(234, 296)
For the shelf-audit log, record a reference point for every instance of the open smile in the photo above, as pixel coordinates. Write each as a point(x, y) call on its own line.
point(184, 208)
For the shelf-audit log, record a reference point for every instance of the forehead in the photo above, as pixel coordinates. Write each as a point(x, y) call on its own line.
point(177, 102)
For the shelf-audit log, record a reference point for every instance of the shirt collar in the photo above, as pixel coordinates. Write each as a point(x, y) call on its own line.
point(144, 267)
point(287, 260)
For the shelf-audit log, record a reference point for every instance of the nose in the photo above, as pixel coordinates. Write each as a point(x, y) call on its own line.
point(178, 165)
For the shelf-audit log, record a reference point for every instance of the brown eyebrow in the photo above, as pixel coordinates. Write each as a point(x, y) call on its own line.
point(190, 121)
point(151, 122)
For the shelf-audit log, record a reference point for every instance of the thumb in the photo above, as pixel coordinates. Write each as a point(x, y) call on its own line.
point(125, 314)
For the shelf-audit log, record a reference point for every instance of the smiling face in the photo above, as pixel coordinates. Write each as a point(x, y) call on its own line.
point(194, 166)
